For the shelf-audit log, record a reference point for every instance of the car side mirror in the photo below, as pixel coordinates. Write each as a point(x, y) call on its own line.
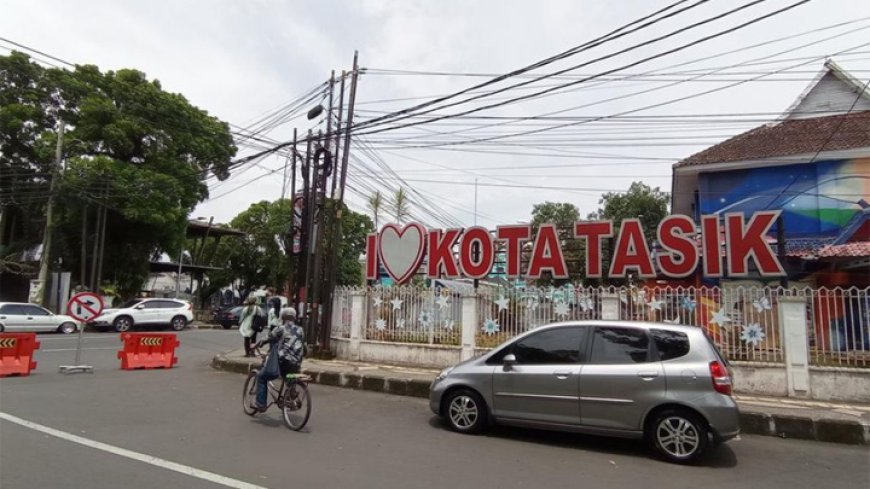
point(509, 361)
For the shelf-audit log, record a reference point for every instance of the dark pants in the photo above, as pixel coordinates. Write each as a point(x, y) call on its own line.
point(262, 390)
point(250, 341)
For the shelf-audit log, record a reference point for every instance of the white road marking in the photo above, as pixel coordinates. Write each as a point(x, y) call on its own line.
point(73, 349)
point(141, 457)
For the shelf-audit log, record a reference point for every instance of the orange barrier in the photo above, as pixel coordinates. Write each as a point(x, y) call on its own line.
point(16, 353)
point(148, 350)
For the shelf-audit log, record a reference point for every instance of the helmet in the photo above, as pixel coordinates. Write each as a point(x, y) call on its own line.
point(288, 313)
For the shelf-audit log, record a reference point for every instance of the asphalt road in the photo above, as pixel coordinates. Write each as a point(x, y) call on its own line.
point(152, 428)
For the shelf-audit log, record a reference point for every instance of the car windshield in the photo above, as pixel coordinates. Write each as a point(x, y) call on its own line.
point(131, 303)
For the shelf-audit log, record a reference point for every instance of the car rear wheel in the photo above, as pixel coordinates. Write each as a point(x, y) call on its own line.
point(678, 435)
point(178, 323)
point(123, 324)
point(67, 328)
point(465, 411)
point(227, 325)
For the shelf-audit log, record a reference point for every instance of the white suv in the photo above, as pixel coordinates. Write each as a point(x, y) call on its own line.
point(152, 312)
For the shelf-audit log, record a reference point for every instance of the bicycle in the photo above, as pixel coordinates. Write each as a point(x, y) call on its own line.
point(290, 395)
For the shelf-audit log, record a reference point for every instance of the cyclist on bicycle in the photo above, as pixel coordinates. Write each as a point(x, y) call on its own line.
point(289, 340)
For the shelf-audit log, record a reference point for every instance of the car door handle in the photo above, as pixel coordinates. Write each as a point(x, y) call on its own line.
point(563, 374)
point(647, 375)
point(30, 319)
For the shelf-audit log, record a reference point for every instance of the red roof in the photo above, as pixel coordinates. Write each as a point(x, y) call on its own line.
point(857, 249)
point(790, 137)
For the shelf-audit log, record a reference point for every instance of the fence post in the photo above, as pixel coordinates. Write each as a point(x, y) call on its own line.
point(357, 320)
point(469, 325)
point(610, 306)
point(793, 317)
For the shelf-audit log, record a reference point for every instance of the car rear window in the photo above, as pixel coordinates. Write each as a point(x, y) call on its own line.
point(670, 344)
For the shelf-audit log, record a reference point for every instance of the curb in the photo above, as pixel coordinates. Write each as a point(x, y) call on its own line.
point(804, 428)
point(751, 423)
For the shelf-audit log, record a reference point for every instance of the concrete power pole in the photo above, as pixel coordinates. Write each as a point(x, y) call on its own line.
point(45, 261)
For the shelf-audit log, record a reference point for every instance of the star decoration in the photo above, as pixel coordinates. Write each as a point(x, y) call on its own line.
point(586, 303)
point(490, 327)
point(720, 317)
point(378, 301)
point(425, 318)
point(532, 304)
point(400, 324)
point(397, 304)
point(689, 304)
point(380, 324)
point(561, 309)
point(655, 304)
point(752, 334)
point(443, 302)
point(503, 303)
point(448, 324)
point(762, 304)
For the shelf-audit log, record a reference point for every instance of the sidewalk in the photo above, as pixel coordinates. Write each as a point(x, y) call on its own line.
point(771, 416)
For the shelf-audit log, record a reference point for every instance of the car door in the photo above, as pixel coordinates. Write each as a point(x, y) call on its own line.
point(543, 385)
point(168, 310)
point(150, 312)
point(43, 319)
point(620, 380)
point(13, 317)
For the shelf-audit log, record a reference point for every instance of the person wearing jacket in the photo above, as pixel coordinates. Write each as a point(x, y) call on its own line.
point(289, 340)
point(246, 324)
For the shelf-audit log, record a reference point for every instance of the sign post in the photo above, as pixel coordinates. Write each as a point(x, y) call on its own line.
point(84, 307)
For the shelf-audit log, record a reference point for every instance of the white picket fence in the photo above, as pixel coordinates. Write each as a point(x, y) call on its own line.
point(743, 322)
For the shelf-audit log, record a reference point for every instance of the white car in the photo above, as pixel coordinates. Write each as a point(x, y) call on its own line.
point(20, 316)
point(147, 312)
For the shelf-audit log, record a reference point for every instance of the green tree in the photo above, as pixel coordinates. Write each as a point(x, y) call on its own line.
point(130, 146)
point(401, 205)
point(375, 204)
point(563, 215)
point(648, 204)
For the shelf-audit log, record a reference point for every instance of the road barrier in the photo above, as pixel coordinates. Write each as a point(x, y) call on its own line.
point(148, 350)
point(16, 353)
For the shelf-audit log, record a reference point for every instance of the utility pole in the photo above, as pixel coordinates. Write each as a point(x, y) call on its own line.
point(336, 228)
point(45, 261)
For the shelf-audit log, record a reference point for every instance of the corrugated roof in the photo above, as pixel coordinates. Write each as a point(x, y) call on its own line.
point(790, 137)
point(858, 249)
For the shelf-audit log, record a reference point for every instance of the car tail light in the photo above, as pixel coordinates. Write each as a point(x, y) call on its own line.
point(721, 379)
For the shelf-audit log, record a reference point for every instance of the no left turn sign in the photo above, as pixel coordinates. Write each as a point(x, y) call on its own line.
point(85, 306)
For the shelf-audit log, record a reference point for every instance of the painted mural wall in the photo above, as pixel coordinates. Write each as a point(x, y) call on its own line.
point(817, 199)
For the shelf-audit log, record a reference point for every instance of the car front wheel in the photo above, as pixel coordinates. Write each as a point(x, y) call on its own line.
point(678, 435)
point(465, 411)
point(67, 328)
point(123, 324)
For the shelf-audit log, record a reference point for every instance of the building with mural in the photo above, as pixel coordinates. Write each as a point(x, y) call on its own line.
point(813, 165)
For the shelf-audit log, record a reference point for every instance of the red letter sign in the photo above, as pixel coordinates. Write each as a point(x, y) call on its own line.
point(372, 256)
point(547, 254)
point(712, 253)
point(513, 236)
point(441, 261)
point(631, 251)
point(742, 244)
point(481, 267)
point(681, 257)
point(593, 232)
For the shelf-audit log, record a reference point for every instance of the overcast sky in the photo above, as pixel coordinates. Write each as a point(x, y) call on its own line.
point(239, 60)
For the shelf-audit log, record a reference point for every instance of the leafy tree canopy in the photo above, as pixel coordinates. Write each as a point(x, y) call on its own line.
point(139, 150)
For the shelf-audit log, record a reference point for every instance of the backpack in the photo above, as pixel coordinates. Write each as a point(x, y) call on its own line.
point(259, 321)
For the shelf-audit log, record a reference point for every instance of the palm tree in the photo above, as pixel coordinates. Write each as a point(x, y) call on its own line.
point(400, 205)
point(376, 201)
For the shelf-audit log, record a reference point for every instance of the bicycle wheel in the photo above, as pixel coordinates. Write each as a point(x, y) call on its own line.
point(297, 405)
point(249, 395)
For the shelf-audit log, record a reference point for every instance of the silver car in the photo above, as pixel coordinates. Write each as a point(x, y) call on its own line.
point(23, 317)
point(664, 383)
